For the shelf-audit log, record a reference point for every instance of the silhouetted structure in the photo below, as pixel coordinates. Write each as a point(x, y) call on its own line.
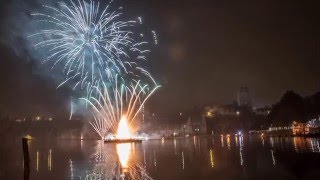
point(293, 107)
point(244, 98)
point(26, 158)
point(290, 108)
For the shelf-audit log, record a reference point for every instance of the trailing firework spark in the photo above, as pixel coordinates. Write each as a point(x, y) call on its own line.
point(90, 41)
point(116, 102)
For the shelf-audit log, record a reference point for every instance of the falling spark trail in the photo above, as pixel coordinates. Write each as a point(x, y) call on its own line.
point(155, 38)
point(71, 109)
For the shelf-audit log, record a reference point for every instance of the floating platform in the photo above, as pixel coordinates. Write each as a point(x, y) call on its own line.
point(123, 141)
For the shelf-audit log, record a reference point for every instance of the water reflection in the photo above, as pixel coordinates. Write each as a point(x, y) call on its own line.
point(144, 157)
point(241, 149)
point(236, 139)
point(273, 158)
point(123, 151)
point(222, 142)
point(116, 161)
point(71, 169)
point(211, 158)
point(194, 157)
point(50, 160)
point(175, 146)
point(37, 161)
point(299, 144)
point(313, 143)
point(272, 142)
point(228, 142)
point(105, 162)
point(182, 156)
point(304, 144)
point(154, 158)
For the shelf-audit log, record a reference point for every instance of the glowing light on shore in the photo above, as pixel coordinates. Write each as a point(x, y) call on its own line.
point(123, 131)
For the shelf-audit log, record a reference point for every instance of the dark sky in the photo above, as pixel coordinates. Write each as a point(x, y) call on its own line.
point(207, 50)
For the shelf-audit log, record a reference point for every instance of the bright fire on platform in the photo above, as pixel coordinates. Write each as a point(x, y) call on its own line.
point(123, 134)
point(123, 131)
point(123, 149)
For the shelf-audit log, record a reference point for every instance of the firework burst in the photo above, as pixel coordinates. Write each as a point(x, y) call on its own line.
point(117, 101)
point(89, 41)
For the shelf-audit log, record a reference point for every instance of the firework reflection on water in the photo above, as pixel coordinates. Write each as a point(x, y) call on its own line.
point(116, 161)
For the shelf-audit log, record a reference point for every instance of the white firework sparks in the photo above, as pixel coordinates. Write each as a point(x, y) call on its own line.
point(116, 101)
point(90, 41)
point(155, 38)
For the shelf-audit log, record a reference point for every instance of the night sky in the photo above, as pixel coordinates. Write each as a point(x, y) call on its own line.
point(207, 50)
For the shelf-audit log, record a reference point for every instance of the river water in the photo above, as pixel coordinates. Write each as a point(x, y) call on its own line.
point(249, 157)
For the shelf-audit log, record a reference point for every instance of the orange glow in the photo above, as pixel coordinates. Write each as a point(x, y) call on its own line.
point(124, 151)
point(123, 131)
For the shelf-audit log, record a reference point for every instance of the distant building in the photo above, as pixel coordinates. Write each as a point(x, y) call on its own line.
point(263, 111)
point(196, 126)
point(314, 123)
point(314, 126)
point(300, 128)
point(244, 98)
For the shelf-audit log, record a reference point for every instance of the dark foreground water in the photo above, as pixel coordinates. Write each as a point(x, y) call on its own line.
point(188, 158)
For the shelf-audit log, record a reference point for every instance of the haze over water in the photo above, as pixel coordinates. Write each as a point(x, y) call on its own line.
point(187, 158)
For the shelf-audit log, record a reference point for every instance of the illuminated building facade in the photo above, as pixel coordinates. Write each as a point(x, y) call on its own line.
point(300, 128)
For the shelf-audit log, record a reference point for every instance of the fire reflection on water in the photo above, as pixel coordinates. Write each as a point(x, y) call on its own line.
point(116, 161)
point(133, 160)
point(124, 152)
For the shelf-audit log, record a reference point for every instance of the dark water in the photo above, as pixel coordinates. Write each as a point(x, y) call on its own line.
point(188, 158)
